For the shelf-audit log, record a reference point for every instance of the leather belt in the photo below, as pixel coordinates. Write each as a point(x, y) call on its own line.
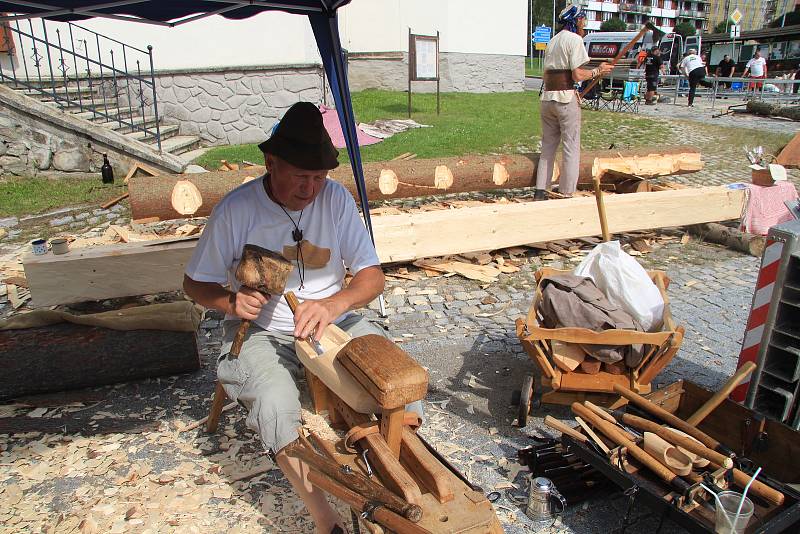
point(558, 80)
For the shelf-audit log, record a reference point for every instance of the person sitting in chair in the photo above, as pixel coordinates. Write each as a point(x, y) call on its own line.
point(292, 209)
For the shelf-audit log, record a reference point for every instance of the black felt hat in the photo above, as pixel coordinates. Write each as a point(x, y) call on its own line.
point(302, 140)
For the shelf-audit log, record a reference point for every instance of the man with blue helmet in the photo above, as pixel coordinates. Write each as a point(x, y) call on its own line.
point(560, 109)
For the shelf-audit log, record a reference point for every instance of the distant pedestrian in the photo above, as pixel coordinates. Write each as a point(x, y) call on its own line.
point(653, 68)
point(725, 69)
point(757, 68)
point(693, 68)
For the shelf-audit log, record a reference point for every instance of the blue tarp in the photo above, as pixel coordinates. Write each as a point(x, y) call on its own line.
point(321, 13)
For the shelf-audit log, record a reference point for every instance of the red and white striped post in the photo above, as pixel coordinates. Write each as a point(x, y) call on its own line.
point(765, 286)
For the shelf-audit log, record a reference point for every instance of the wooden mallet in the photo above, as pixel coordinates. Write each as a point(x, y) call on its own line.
point(265, 271)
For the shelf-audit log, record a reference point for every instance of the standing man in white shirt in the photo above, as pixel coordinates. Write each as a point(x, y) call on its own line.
point(756, 68)
point(693, 67)
point(292, 208)
point(560, 109)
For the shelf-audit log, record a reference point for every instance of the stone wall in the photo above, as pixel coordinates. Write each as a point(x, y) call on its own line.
point(30, 147)
point(225, 106)
point(470, 73)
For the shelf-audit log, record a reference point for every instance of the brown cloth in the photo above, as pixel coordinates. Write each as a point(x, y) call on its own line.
point(575, 301)
point(558, 80)
point(180, 316)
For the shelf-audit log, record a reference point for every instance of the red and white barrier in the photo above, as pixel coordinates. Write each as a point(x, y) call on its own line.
point(765, 286)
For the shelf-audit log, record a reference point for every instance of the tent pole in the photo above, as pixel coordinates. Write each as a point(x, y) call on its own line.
point(326, 31)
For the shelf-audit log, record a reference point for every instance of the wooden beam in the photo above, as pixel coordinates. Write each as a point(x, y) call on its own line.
point(437, 233)
point(152, 267)
point(110, 271)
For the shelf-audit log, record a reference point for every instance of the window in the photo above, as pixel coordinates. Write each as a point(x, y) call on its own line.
point(606, 15)
point(794, 50)
point(591, 15)
point(667, 4)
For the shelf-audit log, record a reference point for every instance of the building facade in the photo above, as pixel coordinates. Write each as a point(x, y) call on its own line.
point(756, 13)
point(665, 14)
point(228, 81)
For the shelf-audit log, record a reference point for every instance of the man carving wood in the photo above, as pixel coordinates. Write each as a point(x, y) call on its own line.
point(560, 109)
point(293, 207)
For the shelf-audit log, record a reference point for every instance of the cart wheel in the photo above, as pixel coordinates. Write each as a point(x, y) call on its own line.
point(525, 401)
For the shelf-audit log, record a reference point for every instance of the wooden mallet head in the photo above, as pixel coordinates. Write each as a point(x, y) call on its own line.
point(263, 270)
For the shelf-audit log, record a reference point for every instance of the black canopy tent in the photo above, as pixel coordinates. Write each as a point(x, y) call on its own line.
point(321, 14)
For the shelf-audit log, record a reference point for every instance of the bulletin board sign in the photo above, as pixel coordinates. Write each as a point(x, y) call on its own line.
point(423, 62)
point(423, 57)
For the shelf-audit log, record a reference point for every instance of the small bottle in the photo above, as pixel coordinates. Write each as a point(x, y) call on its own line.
point(106, 171)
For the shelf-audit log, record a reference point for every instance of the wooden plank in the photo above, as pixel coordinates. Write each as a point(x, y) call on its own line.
point(412, 236)
point(107, 272)
point(392, 428)
point(419, 460)
point(138, 269)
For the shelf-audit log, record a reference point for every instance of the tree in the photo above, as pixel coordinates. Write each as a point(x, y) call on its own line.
point(722, 26)
point(685, 29)
point(613, 25)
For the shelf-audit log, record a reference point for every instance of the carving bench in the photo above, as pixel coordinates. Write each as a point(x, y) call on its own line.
point(365, 384)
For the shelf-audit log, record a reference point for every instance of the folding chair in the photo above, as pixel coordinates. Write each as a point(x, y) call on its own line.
point(629, 101)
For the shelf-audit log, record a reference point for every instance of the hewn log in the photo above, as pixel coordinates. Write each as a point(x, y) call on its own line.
point(150, 196)
point(730, 237)
point(70, 356)
point(773, 110)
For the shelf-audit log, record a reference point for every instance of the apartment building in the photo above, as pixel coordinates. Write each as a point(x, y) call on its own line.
point(755, 13)
point(665, 14)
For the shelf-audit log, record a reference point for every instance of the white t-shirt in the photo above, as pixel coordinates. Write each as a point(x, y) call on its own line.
point(691, 62)
point(565, 51)
point(756, 66)
point(248, 216)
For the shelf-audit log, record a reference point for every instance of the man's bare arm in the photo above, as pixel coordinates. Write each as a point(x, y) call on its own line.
point(245, 304)
point(316, 315)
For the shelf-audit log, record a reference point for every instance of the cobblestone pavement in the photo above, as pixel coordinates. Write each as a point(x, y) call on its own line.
point(463, 332)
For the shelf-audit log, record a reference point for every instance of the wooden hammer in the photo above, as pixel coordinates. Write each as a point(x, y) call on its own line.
point(265, 271)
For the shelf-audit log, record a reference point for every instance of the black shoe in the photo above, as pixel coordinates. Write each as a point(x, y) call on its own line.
point(539, 194)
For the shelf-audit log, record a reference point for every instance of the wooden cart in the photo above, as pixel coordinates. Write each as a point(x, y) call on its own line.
point(568, 387)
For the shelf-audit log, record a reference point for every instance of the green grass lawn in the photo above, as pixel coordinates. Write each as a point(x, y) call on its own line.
point(469, 123)
point(533, 67)
point(22, 195)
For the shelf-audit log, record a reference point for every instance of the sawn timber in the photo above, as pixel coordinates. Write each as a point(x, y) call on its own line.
point(145, 268)
point(150, 195)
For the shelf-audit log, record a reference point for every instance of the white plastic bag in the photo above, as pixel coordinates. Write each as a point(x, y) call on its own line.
point(625, 283)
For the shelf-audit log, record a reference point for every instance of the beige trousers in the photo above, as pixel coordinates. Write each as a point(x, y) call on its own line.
point(560, 123)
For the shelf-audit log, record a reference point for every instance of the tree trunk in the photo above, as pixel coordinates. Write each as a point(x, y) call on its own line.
point(773, 110)
point(151, 196)
point(70, 356)
point(730, 237)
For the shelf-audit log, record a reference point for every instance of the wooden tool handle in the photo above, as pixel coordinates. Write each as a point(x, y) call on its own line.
point(616, 435)
point(677, 439)
point(758, 488)
point(667, 417)
point(599, 411)
point(291, 300)
point(555, 424)
point(712, 403)
point(601, 209)
point(370, 489)
point(238, 340)
point(384, 516)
